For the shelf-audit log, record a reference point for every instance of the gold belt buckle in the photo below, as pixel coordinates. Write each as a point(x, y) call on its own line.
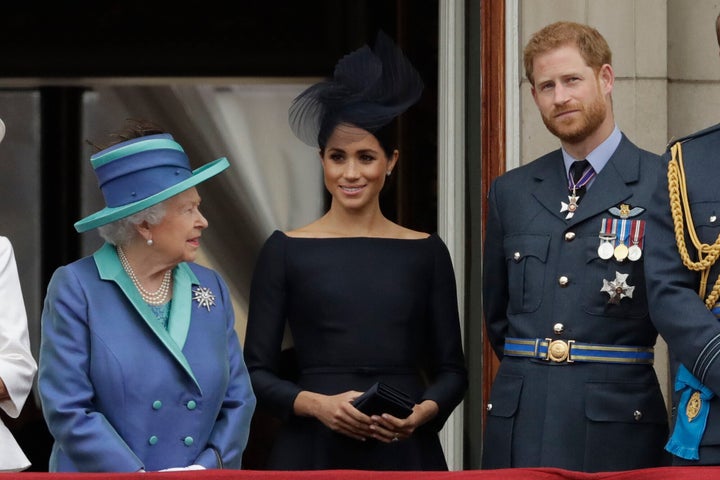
point(559, 350)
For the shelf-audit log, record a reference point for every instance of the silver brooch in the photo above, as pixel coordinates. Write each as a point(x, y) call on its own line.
point(204, 297)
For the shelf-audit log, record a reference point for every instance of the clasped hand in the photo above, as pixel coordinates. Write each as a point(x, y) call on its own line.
point(338, 414)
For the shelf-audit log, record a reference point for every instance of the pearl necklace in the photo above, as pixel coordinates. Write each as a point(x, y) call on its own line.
point(158, 297)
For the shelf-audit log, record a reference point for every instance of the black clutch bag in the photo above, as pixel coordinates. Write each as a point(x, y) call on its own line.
point(383, 398)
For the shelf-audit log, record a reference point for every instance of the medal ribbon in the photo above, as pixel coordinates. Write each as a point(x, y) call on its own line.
point(587, 175)
point(638, 232)
point(613, 231)
point(605, 229)
point(624, 231)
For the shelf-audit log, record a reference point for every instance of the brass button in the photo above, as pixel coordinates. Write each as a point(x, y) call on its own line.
point(488, 407)
point(637, 415)
point(569, 236)
point(558, 328)
point(563, 281)
point(516, 256)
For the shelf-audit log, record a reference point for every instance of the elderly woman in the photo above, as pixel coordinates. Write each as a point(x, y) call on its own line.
point(140, 365)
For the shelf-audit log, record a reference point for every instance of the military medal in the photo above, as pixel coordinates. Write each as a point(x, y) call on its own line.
point(571, 206)
point(607, 238)
point(621, 250)
point(638, 232)
point(605, 250)
point(618, 288)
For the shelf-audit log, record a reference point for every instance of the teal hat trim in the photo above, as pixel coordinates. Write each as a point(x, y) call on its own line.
point(111, 214)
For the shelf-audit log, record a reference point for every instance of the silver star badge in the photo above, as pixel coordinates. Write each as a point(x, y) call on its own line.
point(204, 297)
point(617, 289)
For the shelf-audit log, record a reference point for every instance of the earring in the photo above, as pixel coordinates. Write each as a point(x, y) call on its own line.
point(149, 242)
point(388, 173)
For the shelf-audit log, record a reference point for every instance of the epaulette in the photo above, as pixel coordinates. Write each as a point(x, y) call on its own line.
point(694, 135)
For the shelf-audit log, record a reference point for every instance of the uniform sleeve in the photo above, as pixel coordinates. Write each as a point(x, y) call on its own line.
point(691, 331)
point(66, 391)
point(17, 366)
point(230, 433)
point(265, 329)
point(495, 282)
point(449, 375)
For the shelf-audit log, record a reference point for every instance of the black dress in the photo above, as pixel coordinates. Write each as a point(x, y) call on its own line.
point(359, 310)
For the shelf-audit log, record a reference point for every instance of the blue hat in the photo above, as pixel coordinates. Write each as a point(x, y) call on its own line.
point(140, 173)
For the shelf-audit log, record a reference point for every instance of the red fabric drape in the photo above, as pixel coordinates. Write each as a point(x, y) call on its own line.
point(664, 473)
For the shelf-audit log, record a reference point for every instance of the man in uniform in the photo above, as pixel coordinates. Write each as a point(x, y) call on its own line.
point(563, 285)
point(684, 286)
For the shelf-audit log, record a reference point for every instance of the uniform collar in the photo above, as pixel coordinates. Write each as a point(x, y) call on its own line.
point(600, 156)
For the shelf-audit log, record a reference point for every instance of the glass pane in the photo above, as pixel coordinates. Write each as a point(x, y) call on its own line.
point(274, 182)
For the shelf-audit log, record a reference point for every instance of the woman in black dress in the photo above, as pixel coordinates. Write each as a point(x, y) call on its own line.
point(365, 299)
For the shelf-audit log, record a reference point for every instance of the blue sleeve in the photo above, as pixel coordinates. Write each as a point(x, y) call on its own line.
point(66, 390)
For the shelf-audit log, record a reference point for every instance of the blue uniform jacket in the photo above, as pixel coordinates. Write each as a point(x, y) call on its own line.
point(543, 278)
point(120, 393)
point(691, 330)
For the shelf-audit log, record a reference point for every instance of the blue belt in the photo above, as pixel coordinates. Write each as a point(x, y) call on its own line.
point(569, 351)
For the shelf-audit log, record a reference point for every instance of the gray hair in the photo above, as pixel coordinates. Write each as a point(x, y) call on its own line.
point(121, 232)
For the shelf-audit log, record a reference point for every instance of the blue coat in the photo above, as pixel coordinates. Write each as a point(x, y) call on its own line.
point(120, 393)
point(690, 329)
point(543, 278)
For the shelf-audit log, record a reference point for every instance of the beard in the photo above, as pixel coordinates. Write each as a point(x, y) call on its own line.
point(574, 131)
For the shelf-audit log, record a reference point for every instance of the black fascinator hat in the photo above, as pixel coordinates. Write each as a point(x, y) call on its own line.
point(369, 89)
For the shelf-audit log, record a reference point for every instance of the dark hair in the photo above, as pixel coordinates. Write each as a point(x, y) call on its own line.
point(385, 135)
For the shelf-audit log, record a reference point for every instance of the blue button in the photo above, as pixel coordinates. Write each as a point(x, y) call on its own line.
point(188, 441)
point(191, 405)
point(152, 440)
point(157, 405)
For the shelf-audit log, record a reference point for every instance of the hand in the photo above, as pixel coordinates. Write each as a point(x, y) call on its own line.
point(387, 428)
point(335, 412)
